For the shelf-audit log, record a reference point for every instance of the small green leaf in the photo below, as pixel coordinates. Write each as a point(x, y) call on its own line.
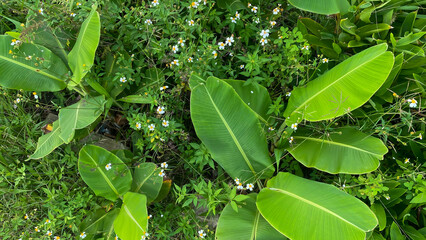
point(48, 142)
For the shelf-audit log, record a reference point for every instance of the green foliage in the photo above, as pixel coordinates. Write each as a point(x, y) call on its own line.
point(149, 70)
point(336, 213)
point(345, 150)
point(221, 120)
point(82, 55)
point(30, 67)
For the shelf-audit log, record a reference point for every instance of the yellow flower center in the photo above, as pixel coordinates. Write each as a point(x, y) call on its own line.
point(413, 101)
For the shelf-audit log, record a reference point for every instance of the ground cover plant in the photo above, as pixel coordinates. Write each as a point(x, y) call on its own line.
point(209, 119)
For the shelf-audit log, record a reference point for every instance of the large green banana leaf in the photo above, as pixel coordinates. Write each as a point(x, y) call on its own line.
point(81, 57)
point(99, 221)
point(304, 209)
point(108, 183)
point(342, 89)
point(230, 130)
point(254, 95)
point(30, 67)
point(48, 142)
point(326, 7)
point(345, 150)
point(246, 224)
point(132, 222)
point(146, 180)
point(79, 115)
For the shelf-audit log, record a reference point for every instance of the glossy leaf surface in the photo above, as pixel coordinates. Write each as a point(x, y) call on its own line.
point(304, 209)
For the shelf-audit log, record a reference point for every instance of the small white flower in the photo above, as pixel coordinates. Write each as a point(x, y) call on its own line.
point(181, 42)
point(214, 54)
point(78, 4)
point(305, 47)
point(191, 22)
point(201, 234)
point(160, 110)
point(165, 123)
point(273, 23)
point(294, 126)
point(234, 19)
point(164, 165)
point(162, 139)
point(164, 87)
point(254, 9)
point(194, 5)
point(229, 40)
point(291, 140)
point(108, 166)
point(162, 174)
point(161, 215)
point(250, 186)
point(49, 233)
point(57, 238)
point(412, 102)
point(387, 197)
point(155, 3)
point(36, 229)
point(72, 14)
point(276, 11)
point(257, 20)
point(138, 125)
point(237, 15)
point(123, 79)
point(237, 181)
point(221, 45)
point(175, 48)
point(264, 33)
point(240, 186)
point(151, 127)
point(148, 21)
point(324, 60)
point(175, 62)
point(407, 160)
point(242, 66)
point(47, 221)
point(83, 235)
point(288, 94)
point(40, 11)
point(263, 41)
point(14, 42)
point(271, 129)
point(190, 59)
point(420, 136)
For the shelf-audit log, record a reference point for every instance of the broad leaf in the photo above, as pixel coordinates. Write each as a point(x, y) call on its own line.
point(132, 221)
point(420, 198)
point(326, 7)
point(380, 213)
point(30, 67)
point(246, 224)
point(146, 180)
point(304, 209)
point(345, 150)
point(254, 95)
point(81, 57)
point(342, 89)
point(110, 184)
point(79, 115)
point(230, 130)
point(98, 222)
point(48, 142)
